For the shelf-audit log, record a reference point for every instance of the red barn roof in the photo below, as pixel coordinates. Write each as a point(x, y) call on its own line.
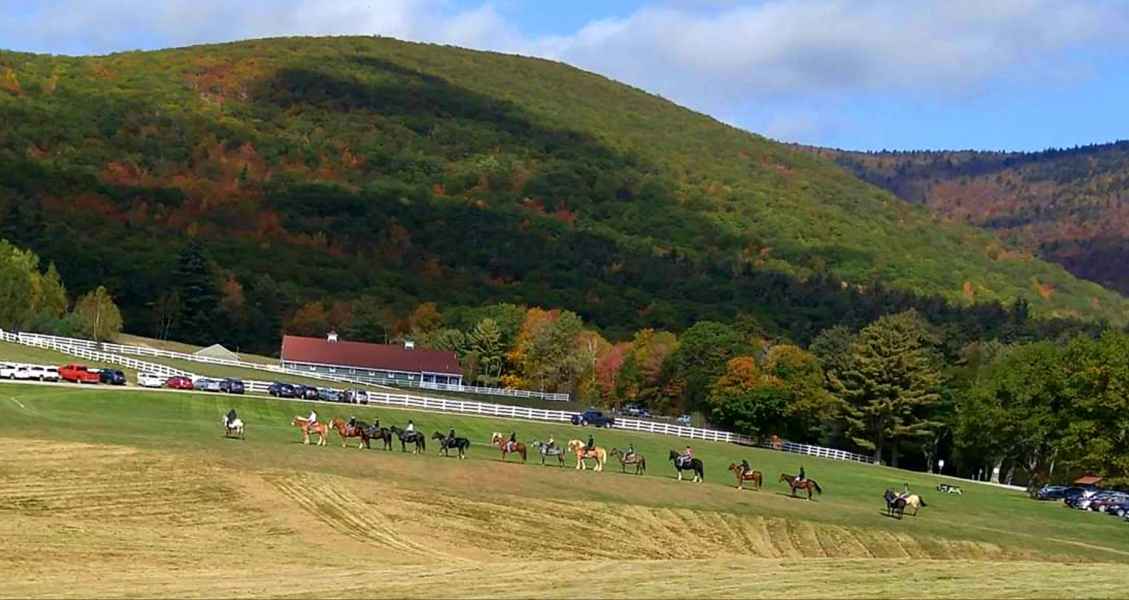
point(368, 356)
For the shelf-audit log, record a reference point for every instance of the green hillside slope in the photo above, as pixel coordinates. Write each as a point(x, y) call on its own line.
point(398, 172)
point(1069, 206)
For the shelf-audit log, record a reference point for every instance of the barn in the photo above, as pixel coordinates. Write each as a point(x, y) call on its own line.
point(379, 363)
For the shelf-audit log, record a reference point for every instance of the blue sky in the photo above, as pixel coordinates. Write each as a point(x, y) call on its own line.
point(862, 74)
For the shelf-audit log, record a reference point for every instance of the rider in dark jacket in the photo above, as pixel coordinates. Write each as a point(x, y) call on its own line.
point(231, 417)
point(451, 436)
point(745, 468)
point(591, 443)
point(801, 477)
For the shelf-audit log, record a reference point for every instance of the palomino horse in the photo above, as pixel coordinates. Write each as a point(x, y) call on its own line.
point(234, 429)
point(636, 459)
point(460, 443)
point(694, 464)
point(318, 428)
point(410, 437)
point(508, 447)
point(582, 452)
point(743, 476)
point(545, 450)
point(795, 484)
point(358, 429)
point(915, 502)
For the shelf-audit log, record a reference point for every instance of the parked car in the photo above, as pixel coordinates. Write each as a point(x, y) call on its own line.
point(179, 383)
point(78, 374)
point(206, 385)
point(150, 380)
point(593, 417)
point(1081, 501)
point(1101, 502)
point(23, 373)
point(329, 395)
point(684, 420)
point(7, 371)
point(1052, 492)
point(282, 390)
point(231, 386)
point(1118, 508)
point(49, 374)
point(111, 376)
point(356, 396)
point(307, 392)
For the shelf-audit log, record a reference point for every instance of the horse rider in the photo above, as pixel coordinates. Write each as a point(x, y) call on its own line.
point(905, 490)
point(802, 477)
point(352, 423)
point(549, 445)
point(591, 445)
point(513, 440)
point(630, 453)
point(745, 468)
point(686, 456)
point(411, 428)
point(230, 418)
point(312, 420)
point(451, 437)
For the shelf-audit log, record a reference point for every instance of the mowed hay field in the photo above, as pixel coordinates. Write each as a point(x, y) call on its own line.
point(112, 493)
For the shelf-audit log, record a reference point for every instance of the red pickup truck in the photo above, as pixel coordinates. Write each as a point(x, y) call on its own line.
point(78, 374)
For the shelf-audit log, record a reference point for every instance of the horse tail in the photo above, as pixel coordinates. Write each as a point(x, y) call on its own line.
point(922, 500)
point(818, 489)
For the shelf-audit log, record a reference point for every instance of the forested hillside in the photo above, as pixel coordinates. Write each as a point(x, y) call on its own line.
point(222, 192)
point(1068, 206)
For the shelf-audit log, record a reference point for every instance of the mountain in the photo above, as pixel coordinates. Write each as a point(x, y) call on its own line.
point(270, 173)
point(1067, 206)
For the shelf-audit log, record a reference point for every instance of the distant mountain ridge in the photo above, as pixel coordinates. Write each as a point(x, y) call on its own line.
point(1069, 206)
point(391, 173)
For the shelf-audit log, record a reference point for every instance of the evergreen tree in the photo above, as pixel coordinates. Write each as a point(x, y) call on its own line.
point(892, 381)
point(199, 297)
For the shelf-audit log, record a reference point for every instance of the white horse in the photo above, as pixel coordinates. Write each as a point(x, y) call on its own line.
point(234, 428)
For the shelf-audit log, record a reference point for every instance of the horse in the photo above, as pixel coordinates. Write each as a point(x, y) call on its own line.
point(508, 447)
point(915, 502)
point(346, 431)
point(636, 459)
point(545, 450)
point(410, 437)
point(582, 452)
point(319, 428)
point(795, 484)
point(234, 429)
point(895, 504)
point(743, 476)
point(695, 464)
point(376, 432)
point(460, 443)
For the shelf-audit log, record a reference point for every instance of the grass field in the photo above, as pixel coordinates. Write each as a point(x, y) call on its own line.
point(135, 493)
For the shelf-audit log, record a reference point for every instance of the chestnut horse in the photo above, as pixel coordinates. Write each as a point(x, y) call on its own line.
point(318, 428)
point(508, 447)
point(807, 484)
point(359, 430)
point(636, 459)
point(743, 476)
point(597, 454)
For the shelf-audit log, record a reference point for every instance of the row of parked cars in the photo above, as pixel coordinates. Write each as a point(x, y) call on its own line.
point(72, 373)
point(28, 372)
point(201, 384)
point(309, 392)
point(1111, 502)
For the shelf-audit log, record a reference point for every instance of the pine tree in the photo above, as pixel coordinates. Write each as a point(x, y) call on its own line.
point(199, 297)
point(891, 382)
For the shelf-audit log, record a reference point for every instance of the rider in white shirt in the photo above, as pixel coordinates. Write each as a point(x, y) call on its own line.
point(312, 419)
point(411, 428)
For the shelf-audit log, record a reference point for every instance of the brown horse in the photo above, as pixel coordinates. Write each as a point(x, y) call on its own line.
point(508, 447)
point(743, 476)
point(636, 459)
point(358, 430)
point(597, 454)
point(807, 484)
point(319, 428)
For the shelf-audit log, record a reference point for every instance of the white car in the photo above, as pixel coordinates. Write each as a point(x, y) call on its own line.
point(49, 374)
point(7, 371)
point(150, 380)
point(23, 372)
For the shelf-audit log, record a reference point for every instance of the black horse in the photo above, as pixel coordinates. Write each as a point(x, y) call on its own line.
point(376, 432)
point(895, 504)
point(694, 464)
point(410, 437)
point(446, 444)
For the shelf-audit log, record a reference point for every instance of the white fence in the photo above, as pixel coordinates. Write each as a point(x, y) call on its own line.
point(442, 404)
point(146, 351)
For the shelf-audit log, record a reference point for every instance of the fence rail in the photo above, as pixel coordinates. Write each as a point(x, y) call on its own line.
point(410, 401)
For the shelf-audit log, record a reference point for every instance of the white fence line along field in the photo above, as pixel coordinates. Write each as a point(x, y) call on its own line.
point(413, 402)
point(145, 351)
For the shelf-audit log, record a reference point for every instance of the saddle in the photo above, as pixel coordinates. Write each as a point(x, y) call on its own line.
point(682, 462)
point(509, 446)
